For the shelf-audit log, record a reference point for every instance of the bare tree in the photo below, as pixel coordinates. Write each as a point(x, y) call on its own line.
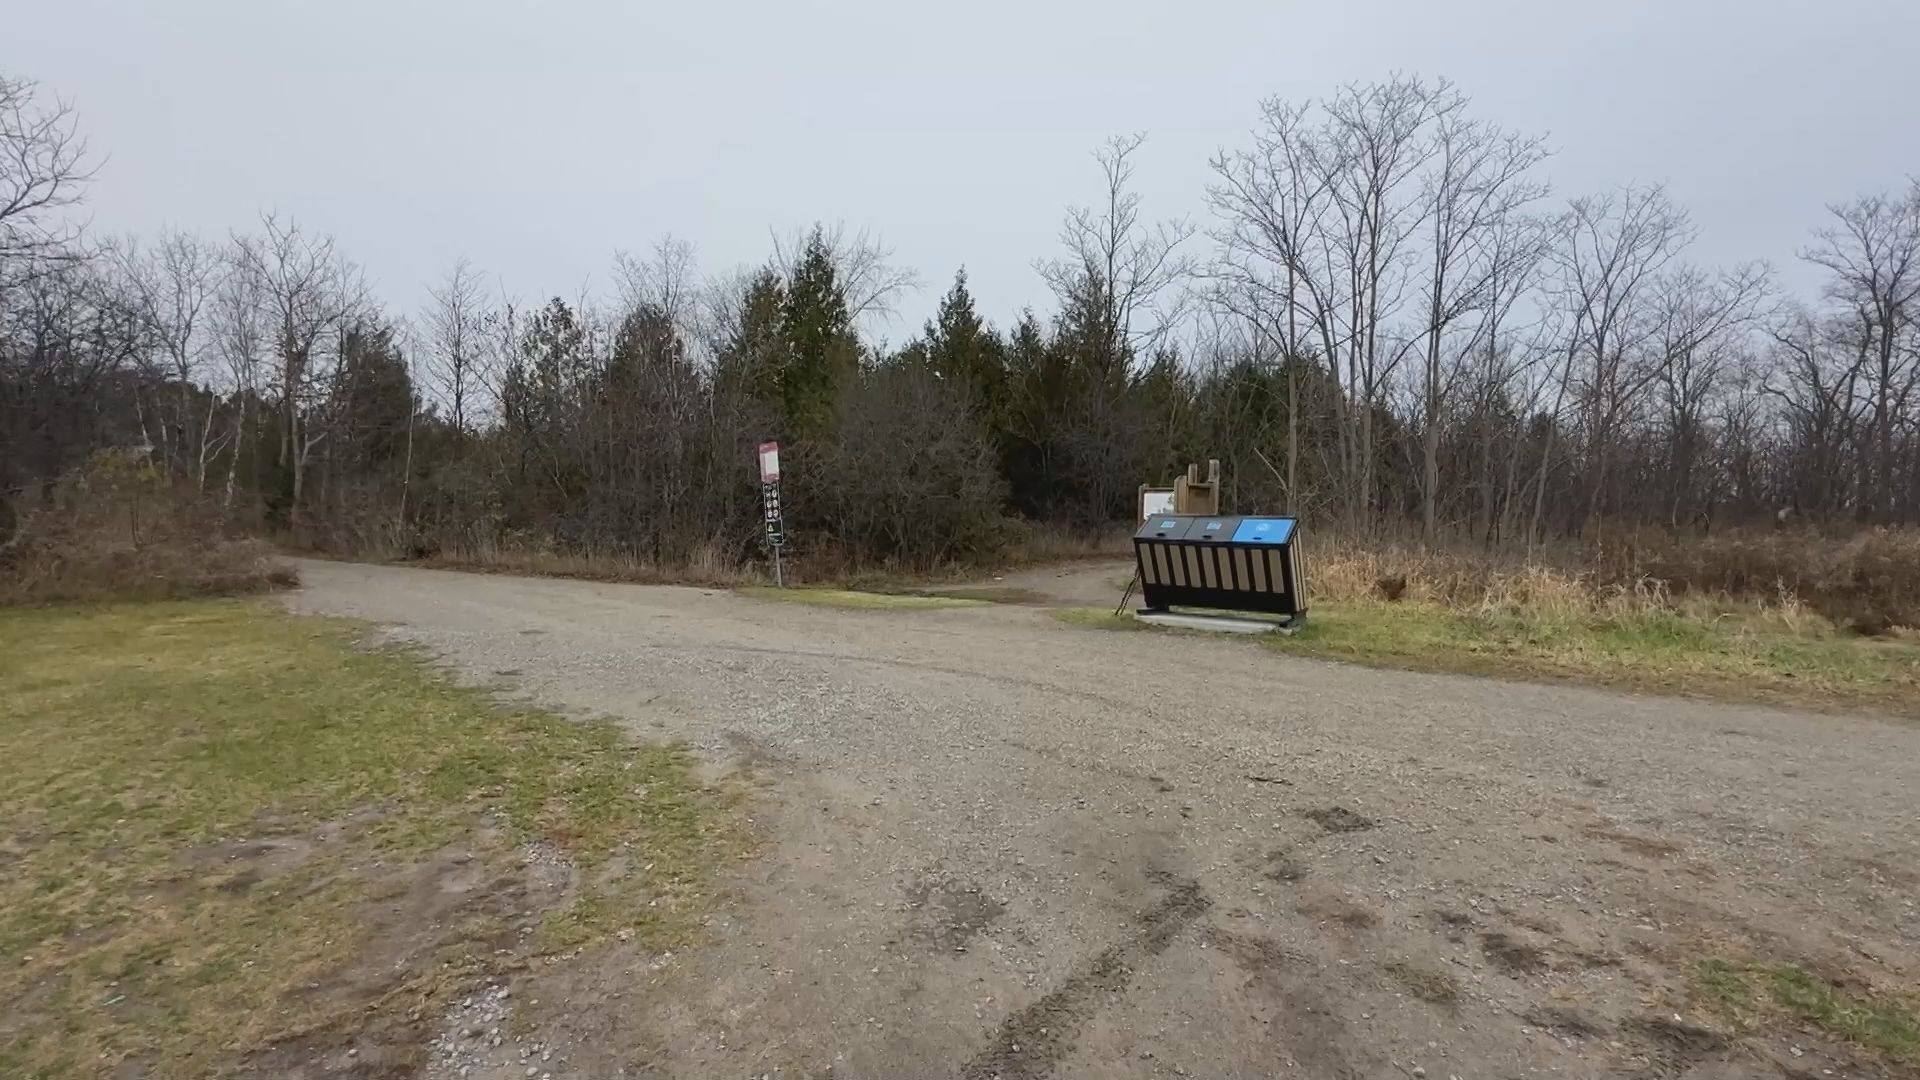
point(456, 327)
point(870, 282)
point(1819, 372)
point(310, 294)
point(1702, 329)
point(67, 341)
point(43, 170)
point(1324, 214)
point(1506, 374)
point(1128, 272)
point(666, 281)
point(1612, 249)
point(1872, 252)
point(1476, 188)
point(172, 285)
point(239, 335)
point(1272, 202)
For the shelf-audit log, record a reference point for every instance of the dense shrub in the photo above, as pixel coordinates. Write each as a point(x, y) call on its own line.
point(911, 476)
point(117, 531)
point(1869, 580)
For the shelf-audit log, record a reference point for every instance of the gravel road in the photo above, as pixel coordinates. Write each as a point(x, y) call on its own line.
point(996, 845)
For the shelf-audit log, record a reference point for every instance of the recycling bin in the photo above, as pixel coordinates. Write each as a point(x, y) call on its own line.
point(1226, 563)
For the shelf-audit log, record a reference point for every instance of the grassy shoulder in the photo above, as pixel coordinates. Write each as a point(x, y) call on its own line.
point(861, 601)
point(1739, 657)
point(1753, 995)
point(227, 827)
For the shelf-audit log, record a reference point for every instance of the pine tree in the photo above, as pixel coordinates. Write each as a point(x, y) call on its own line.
point(375, 395)
point(754, 356)
point(964, 351)
point(822, 351)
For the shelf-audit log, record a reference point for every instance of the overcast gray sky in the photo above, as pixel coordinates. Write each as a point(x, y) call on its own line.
point(539, 138)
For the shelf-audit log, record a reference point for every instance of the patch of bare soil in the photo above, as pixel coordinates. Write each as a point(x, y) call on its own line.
point(1093, 583)
point(425, 990)
point(1651, 847)
point(1337, 819)
point(1339, 911)
point(1282, 868)
point(1512, 955)
point(952, 913)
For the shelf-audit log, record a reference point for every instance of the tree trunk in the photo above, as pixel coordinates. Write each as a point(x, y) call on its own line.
point(239, 443)
point(1293, 394)
point(1883, 427)
point(1546, 454)
point(206, 441)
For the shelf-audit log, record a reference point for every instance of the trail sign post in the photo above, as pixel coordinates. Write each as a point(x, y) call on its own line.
point(770, 504)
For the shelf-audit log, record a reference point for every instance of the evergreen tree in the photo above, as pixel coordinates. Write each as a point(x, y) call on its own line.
point(964, 351)
point(1168, 429)
point(647, 344)
point(552, 362)
point(375, 397)
point(822, 351)
point(753, 356)
point(537, 396)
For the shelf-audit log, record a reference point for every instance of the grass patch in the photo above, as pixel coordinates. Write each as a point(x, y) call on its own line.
point(863, 601)
point(956, 581)
point(1746, 658)
point(224, 827)
point(989, 594)
point(1429, 984)
point(1753, 994)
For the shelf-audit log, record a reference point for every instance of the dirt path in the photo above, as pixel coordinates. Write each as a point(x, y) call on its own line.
point(1092, 583)
point(999, 846)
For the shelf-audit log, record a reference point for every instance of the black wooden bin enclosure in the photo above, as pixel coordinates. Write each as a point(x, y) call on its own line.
point(1227, 563)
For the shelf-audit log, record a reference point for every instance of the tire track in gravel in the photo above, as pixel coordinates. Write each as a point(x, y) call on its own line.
point(1032, 1042)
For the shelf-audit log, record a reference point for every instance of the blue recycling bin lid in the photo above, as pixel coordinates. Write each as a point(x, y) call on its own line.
point(1263, 531)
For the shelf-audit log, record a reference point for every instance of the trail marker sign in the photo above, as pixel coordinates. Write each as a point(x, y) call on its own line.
point(770, 503)
point(770, 496)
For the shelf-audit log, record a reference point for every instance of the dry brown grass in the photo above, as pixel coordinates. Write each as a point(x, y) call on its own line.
point(1342, 569)
point(822, 562)
point(1054, 543)
point(1868, 582)
point(710, 566)
point(117, 531)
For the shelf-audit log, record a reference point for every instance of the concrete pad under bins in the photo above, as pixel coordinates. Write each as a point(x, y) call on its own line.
point(1223, 623)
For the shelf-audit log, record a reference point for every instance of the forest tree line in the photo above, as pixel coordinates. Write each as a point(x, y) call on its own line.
point(1384, 321)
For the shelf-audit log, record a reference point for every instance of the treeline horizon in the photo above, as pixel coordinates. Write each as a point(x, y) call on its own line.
point(1385, 323)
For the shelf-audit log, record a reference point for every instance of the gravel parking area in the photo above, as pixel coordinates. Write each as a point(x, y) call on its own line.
point(995, 845)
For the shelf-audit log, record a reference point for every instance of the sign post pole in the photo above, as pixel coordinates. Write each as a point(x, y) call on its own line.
point(770, 503)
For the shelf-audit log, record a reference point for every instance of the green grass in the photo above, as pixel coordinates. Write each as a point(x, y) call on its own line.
point(143, 742)
point(1429, 984)
point(990, 594)
point(1753, 994)
point(1742, 658)
point(1736, 657)
point(862, 601)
